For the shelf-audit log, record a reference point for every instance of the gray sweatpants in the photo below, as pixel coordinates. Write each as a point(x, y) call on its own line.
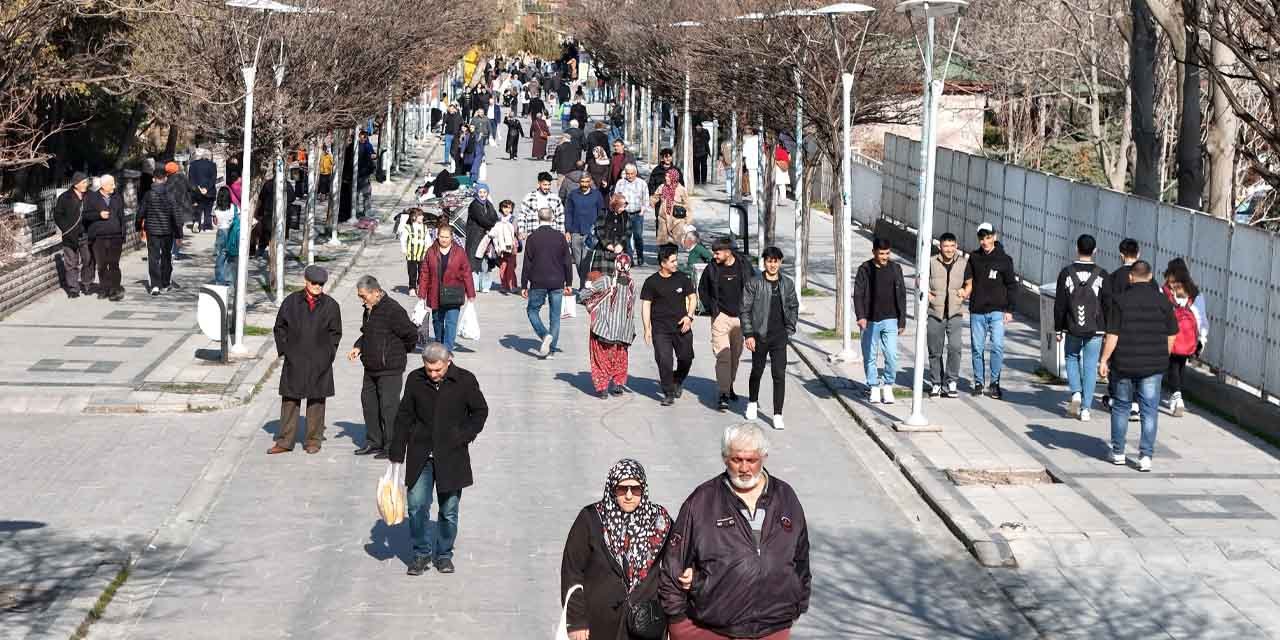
point(948, 330)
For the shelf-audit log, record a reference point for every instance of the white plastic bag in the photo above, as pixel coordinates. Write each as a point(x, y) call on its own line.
point(484, 171)
point(568, 308)
point(421, 313)
point(392, 499)
point(562, 631)
point(468, 322)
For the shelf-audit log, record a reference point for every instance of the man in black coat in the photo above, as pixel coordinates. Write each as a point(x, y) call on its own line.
point(158, 216)
point(386, 336)
point(104, 218)
point(599, 137)
point(203, 175)
point(442, 412)
point(76, 258)
point(307, 332)
point(567, 158)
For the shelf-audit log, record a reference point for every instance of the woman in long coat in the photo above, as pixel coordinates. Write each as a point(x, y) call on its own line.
point(539, 132)
point(481, 216)
point(307, 332)
point(515, 130)
point(613, 551)
point(667, 202)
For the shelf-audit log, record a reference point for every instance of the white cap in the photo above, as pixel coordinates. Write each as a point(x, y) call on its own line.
point(986, 226)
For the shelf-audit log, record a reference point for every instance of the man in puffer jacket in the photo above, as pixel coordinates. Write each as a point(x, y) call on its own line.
point(386, 337)
point(995, 286)
point(158, 216)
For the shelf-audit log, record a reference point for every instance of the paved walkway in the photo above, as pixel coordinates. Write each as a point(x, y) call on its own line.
point(1188, 551)
point(291, 545)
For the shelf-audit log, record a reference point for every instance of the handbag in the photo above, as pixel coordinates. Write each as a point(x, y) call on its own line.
point(646, 620)
point(452, 297)
point(679, 212)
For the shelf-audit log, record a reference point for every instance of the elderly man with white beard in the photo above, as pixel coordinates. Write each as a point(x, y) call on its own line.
point(737, 560)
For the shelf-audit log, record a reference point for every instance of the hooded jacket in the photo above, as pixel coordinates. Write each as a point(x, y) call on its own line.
point(741, 589)
point(995, 285)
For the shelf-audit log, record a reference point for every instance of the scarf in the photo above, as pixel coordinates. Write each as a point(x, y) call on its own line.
point(311, 300)
point(634, 539)
point(599, 155)
point(670, 182)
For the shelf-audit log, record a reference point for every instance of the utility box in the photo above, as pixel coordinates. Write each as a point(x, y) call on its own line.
point(1052, 352)
point(211, 314)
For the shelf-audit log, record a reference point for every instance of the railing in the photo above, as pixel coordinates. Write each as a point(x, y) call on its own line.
point(1039, 216)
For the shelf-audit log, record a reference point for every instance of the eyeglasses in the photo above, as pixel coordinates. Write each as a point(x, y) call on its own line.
point(621, 490)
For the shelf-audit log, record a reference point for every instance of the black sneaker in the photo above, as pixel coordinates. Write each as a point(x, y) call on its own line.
point(976, 390)
point(733, 396)
point(679, 390)
point(935, 391)
point(667, 400)
point(723, 405)
point(419, 566)
point(618, 389)
point(994, 391)
point(445, 565)
point(73, 294)
point(603, 394)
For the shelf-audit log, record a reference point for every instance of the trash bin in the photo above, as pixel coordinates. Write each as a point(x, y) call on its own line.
point(212, 314)
point(1052, 354)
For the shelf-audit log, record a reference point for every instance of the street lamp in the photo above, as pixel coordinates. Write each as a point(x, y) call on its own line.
point(247, 199)
point(686, 129)
point(847, 354)
point(930, 10)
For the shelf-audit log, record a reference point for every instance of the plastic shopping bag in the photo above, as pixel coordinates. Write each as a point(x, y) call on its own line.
point(562, 631)
point(484, 171)
point(421, 313)
point(569, 309)
point(469, 322)
point(392, 500)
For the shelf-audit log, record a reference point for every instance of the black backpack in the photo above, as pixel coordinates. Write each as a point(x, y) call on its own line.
point(1085, 316)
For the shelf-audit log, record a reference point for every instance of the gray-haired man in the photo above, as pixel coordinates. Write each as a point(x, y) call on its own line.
point(386, 336)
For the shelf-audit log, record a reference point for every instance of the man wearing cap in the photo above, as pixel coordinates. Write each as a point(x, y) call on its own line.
point(307, 332)
point(994, 288)
point(76, 258)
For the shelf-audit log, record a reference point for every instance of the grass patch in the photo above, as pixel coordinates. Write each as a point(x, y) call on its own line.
point(100, 607)
point(191, 387)
point(1044, 376)
point(809, 292)
point(298, 259)
point(832, 334)
point(255, 330)
point(820, 206)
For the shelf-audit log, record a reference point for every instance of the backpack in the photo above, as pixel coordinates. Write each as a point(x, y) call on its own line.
point(232, 247)
point(1085, 317)
point(1188, 338)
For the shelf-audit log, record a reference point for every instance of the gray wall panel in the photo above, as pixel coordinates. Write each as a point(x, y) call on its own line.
point(1031, 262)
point(1141, 225)
point(1272, 381)
point(1245, 325)
point(1175, 235)
point(975, 200)
point(1210, 246)
point(1059, 234)
point(1109, 228)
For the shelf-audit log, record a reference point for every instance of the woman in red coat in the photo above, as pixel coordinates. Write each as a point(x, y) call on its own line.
point(444, 283)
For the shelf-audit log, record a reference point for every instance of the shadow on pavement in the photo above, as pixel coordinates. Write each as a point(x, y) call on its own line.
point(386, 542)
point(527, 346)
point(580, 381)
point(1058, 439)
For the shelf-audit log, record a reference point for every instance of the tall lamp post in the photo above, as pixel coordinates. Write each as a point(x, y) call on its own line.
point(930, 11)
point(249, 72)
point(847, 353)
point(686, 123)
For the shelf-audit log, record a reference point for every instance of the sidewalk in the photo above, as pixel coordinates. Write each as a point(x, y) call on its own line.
point(145, 354)
point(1085, 548)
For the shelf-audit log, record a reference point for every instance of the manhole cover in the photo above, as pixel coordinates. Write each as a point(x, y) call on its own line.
point(968, 477)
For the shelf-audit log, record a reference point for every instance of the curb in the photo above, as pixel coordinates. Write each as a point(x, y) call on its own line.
point(964, 521)
point(242, 393)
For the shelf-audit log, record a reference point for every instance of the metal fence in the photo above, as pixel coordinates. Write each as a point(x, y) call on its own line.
point(1039, 216)
point(867, 188)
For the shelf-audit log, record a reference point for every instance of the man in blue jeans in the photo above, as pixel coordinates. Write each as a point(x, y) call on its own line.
point(880, 303)
point(546, 277)
point(995, 286)
point(1141, 328)
point(452, 127)
point(442, 412)
point(1079, 321)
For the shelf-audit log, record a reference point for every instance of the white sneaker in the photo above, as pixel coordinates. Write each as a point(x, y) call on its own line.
point(753, 411)
point(1134, 414)
point(1073, 407)
point(1177, 406)
point(545, 348)
point(777, 422)
point(886, 394)
point(951, 388)
point(1144, 464)
point(1118, 459)
point(1084, 415)
point(874, 397)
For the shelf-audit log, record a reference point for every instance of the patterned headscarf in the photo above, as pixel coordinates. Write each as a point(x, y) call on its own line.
point(670, 182)
point(634, 539)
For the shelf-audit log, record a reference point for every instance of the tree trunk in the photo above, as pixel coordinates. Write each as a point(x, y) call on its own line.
point(129, 135)
point(843, 324)
point(334, 200)
point(313, 181)
point(1190, 164)
point(806, 221)
point(171, 143)
point(1142, 85)
point(770, 205)
point(1220, 142)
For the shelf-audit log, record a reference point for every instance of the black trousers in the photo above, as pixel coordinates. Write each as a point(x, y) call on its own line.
point(513, 144)
point(106, 253)
point(700, 169)
point(776, 353)
point(413, 267)
point(380, 398)
point(1177, 365)
point(664, 346)
point(160, 260)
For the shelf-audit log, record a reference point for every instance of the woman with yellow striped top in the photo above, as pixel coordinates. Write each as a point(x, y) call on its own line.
point(414, 241)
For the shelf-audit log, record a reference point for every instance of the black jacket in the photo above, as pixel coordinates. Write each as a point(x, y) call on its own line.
point(709, 293)
point(158, 214)
point(67, 212)
point(995, 284)
point(740, 590)
point(1142, 318)
point(566, 157)
point(180, 192)
point(94, 204)
point(602, 604)
point(756, 299)
point(203, 173)
point(308, 340)
point(597, 138)
point(612, 228)
point(452, 123)
point(701, 142)
point(1062, 298)
point(548, 263)
point(864, 292)
point(439, 424)
point(387, 335)
point(481, 216)
point(659, 175)
point(578, 111)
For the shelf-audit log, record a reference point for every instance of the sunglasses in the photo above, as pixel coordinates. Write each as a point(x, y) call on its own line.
point(635, 490)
